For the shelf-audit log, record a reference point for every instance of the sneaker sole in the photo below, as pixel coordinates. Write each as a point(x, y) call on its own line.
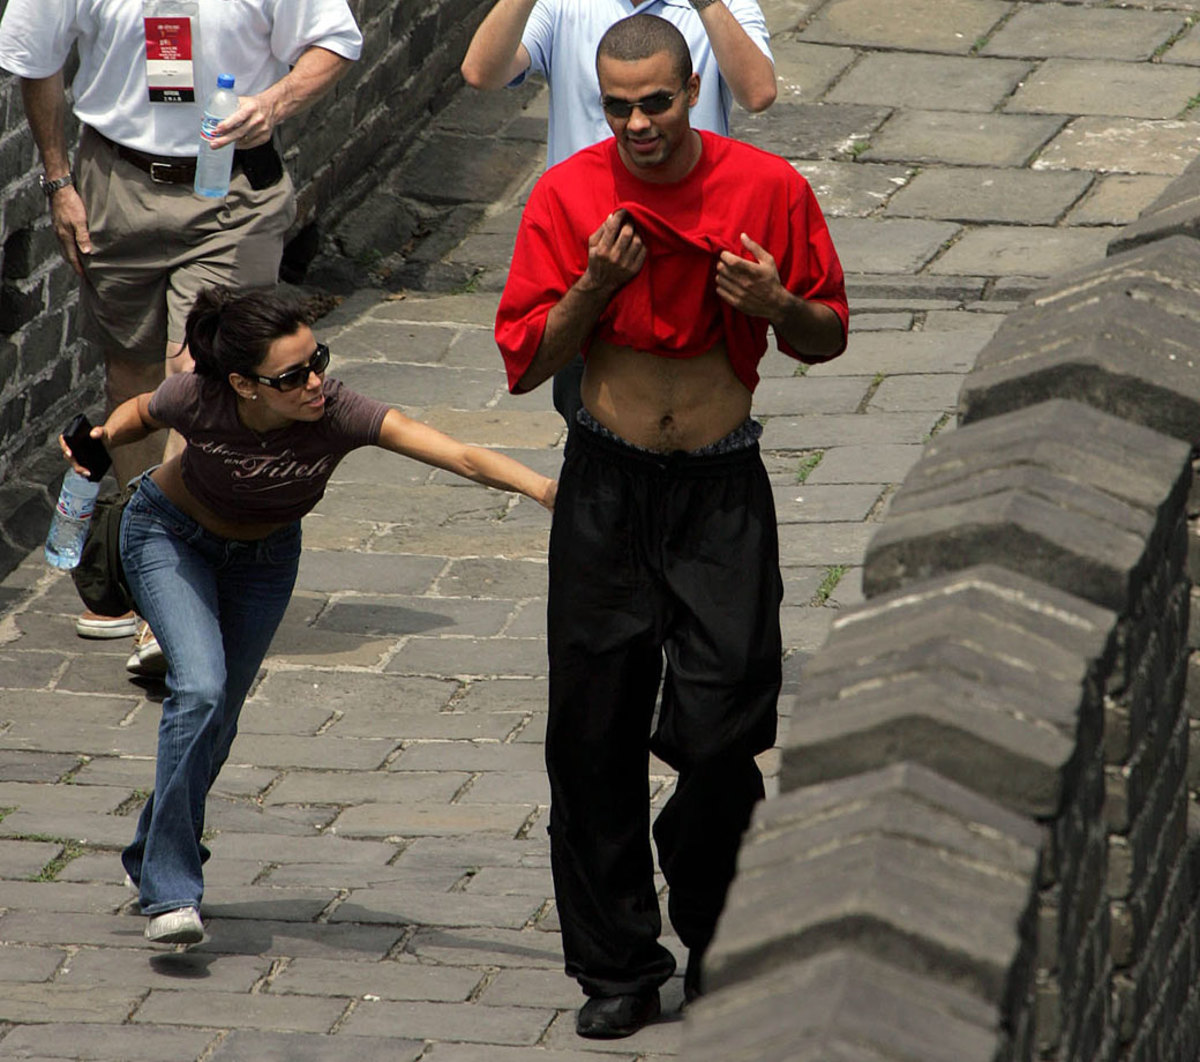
point(187, 933)
point(106, 628)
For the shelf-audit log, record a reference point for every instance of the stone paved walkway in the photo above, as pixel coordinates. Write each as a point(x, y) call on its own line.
point(379, 887)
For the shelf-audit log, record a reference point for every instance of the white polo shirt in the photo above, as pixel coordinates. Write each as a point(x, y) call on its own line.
point(561, 37)
point(255, 40)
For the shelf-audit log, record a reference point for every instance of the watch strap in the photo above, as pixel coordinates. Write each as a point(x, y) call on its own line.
point(50, 187)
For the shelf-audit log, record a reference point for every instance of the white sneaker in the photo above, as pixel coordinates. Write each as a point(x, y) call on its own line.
point(147, 658)
point(181, 926)
point(93, 625)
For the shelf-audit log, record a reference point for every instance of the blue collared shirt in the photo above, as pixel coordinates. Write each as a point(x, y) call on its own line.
point(561, 37)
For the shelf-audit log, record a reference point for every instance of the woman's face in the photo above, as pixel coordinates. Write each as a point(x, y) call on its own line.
point(288, 353)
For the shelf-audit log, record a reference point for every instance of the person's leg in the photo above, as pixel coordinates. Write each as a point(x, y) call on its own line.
point(171, 573)
point(605, 662)
point(723, 651)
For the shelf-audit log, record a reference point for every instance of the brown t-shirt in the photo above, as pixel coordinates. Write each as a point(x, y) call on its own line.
point(276, 476)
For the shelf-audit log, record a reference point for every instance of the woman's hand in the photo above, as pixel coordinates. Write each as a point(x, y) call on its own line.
point(96, 433)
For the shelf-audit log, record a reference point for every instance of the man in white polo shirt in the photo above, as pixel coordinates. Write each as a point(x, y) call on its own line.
point(727, 39)
point(127, 218)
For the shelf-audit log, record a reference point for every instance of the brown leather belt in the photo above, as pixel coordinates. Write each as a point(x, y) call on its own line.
point(162, 169)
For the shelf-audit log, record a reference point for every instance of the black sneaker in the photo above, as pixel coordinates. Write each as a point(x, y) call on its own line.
point(611, 1017)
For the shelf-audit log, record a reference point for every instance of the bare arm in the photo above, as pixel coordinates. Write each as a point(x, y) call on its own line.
point(615, 254)
point(45, 109)
point(811, 329)
point(496, 55)
point(315, 73)
point(409, 437)
point(129, 422)
point(749, 73)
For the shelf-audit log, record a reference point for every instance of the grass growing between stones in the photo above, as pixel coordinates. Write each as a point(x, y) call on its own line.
point(807, 464)
point(71, 850)
point(833, 576)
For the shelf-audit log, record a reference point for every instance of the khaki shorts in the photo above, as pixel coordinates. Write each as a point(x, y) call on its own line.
point(154, 246)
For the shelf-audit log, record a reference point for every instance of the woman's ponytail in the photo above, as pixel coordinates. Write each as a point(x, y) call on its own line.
point(231, 332)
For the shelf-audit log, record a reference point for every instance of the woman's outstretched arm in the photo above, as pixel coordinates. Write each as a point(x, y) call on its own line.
point(403, 435)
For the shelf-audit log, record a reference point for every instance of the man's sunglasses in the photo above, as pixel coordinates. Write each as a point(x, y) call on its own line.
point(655, 103)
point(297, 377)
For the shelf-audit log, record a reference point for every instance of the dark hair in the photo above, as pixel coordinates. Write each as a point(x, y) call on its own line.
point(231, 331)
point(642, 36)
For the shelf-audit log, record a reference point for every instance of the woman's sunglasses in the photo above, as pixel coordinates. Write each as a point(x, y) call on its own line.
point(297, 377)
point(655, 103)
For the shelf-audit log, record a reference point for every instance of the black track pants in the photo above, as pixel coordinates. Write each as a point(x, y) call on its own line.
point(652, 556)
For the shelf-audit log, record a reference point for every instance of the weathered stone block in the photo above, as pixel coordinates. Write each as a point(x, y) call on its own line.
point(1120, 336)
point(1174, 213)
point(840, 1007)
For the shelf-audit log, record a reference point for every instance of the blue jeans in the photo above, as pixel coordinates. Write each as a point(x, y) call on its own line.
point(214, 604)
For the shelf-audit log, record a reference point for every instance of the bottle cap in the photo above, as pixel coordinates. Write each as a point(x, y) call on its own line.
point(225, 81)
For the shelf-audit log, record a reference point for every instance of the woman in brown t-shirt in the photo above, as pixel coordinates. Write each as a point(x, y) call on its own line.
point(210, 543)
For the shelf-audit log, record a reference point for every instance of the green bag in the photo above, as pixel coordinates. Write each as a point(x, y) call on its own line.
point(99, 578)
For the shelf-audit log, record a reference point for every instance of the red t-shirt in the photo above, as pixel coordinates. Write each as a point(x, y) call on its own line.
point(671, 307)
point(276, 476)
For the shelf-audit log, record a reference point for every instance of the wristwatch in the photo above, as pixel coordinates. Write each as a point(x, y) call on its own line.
point(50, 187)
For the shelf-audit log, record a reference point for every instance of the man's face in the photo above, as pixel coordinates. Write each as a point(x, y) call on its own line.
point(655, 145)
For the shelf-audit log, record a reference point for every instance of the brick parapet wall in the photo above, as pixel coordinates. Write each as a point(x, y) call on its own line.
point(986, 844)
point(336, 153)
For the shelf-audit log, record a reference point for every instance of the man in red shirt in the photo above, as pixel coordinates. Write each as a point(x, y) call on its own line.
point(663, 254)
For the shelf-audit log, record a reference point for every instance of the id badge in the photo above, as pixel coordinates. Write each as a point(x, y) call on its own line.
point(171, 43)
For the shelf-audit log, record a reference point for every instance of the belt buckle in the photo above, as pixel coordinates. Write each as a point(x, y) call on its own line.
point(166, 168)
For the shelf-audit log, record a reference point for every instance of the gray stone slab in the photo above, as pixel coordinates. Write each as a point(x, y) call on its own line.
point(377, 341)
point(905, 352)
point(29, 965)
point(932, 391)
point(961, 138)
point(67, 1039)
point(402, 906)
point(267, 848)
point(849, 429)
point(872, 464)
point(24, 859)
point(381, 574)
point(888, 245)
point(451, 1021)
point(456, 309)
point(504, 695)
point(452, 169)
point(450, 1052)
point(1117, 200)
point(1175, 212)
point(798, 130)
point(1121, 145)
point(1062, 30)
point(243, 1011)
point(992, 195)
point(853, 189)
point(782, 396)
point(804, 71)
point(1023, 251)
point(169, 970)
point(351, 692)
point(917, 81)
point(52, 896)
point(471, 657)
point(399, 820)
point(396, 615)
point(825, 545)
point(298, 1047)
point(802, 503)
point(468, 756)
point(344, 787)
point(106, 1005)
point(420, 386)
point(386, 980)
point(317, 751)
point(466, 854)
point(1185, 50)
point(485, 946)
point(428, 726)
point(923, 25)
point(1084, 86)
point(508, 787)
point(493, 578)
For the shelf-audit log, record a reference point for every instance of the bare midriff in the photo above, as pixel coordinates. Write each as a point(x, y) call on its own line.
point(169, 478)
point(664, 404)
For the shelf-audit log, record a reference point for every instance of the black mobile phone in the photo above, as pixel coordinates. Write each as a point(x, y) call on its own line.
point(87, 451)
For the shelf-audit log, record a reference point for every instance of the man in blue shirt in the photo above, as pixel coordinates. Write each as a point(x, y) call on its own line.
point(730, 50)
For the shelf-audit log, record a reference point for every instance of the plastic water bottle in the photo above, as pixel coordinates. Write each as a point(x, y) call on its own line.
point(72, 517)
point(214, 167)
